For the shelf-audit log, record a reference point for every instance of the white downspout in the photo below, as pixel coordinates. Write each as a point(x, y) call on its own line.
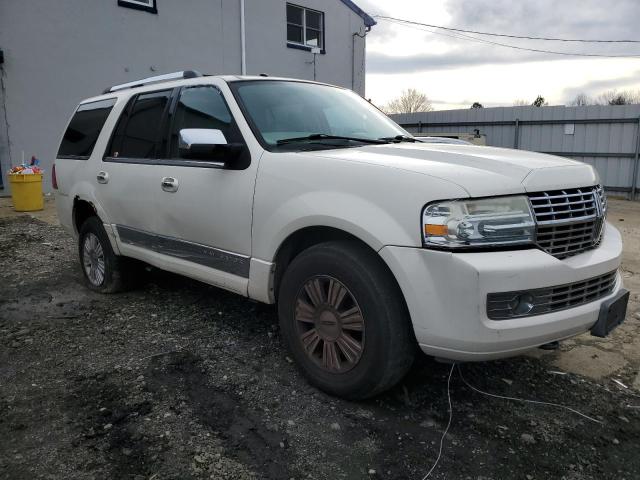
point(243, 40)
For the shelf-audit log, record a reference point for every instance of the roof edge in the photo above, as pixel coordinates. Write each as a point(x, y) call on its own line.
point(368, 19)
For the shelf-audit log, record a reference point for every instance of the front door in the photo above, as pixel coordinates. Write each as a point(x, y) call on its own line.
point(204, 210)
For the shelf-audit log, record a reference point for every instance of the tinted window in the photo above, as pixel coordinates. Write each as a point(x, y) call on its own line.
point(83, 130)
point(202, 107)
point(136, 135)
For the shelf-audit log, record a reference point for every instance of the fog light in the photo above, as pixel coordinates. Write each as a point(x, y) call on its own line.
point(522, 304)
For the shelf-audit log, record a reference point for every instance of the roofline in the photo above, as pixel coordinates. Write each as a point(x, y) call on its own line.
point(260, 78)
point(368, 19)
point(204, 79)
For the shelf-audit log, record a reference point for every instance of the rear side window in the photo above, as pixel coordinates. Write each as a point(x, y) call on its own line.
point(137, 132)
point(83, 130)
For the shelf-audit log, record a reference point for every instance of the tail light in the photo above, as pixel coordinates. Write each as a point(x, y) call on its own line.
point(54, 180)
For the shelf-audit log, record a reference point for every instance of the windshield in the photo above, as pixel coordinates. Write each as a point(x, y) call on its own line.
point(281, 111)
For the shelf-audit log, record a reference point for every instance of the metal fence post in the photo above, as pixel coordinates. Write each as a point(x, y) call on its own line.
point(516, 134)
point(634, 178)
point(420, 126)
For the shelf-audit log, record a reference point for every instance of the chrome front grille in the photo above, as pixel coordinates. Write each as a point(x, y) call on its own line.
point(506, 305)
point(603, 199)
point(568, 221)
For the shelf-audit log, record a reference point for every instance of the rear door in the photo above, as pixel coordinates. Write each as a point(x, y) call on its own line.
point(127, 177)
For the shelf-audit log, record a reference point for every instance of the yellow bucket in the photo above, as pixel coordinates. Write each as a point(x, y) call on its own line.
point(26, 192)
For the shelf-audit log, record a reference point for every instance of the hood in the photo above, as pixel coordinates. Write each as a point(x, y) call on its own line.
point(481, 171)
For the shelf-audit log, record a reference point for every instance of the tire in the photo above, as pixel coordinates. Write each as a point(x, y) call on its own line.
point(103, 270)
point(339, 293)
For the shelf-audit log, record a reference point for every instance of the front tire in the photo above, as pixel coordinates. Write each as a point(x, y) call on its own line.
point(103, 270)
point(344, 319)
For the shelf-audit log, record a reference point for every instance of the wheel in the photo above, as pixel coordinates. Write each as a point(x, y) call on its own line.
point(103, 270)
point(344, 320)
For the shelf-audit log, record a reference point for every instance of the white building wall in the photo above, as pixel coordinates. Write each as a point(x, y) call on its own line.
point(59, 52)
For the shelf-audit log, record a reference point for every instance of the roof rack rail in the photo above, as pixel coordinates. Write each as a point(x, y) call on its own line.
point(157, 79)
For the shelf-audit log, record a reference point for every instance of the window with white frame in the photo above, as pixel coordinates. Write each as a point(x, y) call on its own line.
point(305, 27)
point(146, 5)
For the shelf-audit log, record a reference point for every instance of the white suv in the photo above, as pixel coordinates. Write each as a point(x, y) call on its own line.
point(305, 195)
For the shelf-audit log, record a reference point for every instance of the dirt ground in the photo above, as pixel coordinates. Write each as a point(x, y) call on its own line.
point(179, 380)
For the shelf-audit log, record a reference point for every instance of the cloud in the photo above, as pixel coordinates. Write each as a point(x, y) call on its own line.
point(383, 63)
point(596, 87)
point(552, 18)
point(449, 69)
point(593, 19)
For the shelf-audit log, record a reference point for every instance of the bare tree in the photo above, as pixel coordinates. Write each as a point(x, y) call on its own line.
point(477, 105)
point(538, 102)
point(410, 101)
point(615, 97)
point(581, 100)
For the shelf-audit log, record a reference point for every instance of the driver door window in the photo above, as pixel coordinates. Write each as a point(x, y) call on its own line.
point(208, 217)
point(201, 107)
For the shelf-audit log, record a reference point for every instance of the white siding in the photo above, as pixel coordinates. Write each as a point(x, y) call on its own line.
point(59, 52)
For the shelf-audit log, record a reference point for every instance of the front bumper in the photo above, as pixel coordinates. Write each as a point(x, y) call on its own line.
point(446, 294)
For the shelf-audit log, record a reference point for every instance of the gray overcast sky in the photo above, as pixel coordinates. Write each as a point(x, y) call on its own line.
point(454, 73)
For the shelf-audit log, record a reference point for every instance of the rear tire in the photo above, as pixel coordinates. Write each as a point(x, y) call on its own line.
point(103, 270)
point(345, 321)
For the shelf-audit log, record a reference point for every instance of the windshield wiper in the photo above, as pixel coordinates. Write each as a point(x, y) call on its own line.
point(324, 136)
point(399, 138)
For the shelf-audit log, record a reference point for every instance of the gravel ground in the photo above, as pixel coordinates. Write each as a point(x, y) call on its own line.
point(179, 380)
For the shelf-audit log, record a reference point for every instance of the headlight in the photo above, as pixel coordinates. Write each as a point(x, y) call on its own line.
point(500, 221)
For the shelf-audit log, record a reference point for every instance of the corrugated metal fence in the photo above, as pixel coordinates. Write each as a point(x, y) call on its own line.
point(607, 137)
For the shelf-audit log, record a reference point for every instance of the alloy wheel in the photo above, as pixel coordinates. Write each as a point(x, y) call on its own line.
point(330, 324)
point(93, 259)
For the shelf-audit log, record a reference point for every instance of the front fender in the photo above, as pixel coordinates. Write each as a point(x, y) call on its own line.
point(347, 212)
point(377, 204)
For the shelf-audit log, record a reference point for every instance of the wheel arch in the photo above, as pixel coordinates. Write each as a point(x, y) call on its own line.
point(82, 210)
point(306, 237)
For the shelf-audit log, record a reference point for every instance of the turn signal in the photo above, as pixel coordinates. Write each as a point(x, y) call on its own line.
point(435, 230)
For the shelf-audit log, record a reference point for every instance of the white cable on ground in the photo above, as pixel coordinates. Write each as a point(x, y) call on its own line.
point(537, 402)
point(446, 430)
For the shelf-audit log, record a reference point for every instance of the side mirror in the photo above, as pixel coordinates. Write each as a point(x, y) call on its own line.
point(206, 144)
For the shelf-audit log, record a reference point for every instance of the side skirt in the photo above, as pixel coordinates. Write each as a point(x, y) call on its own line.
point(211, 257)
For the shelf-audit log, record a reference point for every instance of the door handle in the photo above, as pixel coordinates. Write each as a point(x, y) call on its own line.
point(169, 184)
point(103, 177)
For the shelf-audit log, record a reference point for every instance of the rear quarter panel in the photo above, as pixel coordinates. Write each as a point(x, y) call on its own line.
point(77, 178)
